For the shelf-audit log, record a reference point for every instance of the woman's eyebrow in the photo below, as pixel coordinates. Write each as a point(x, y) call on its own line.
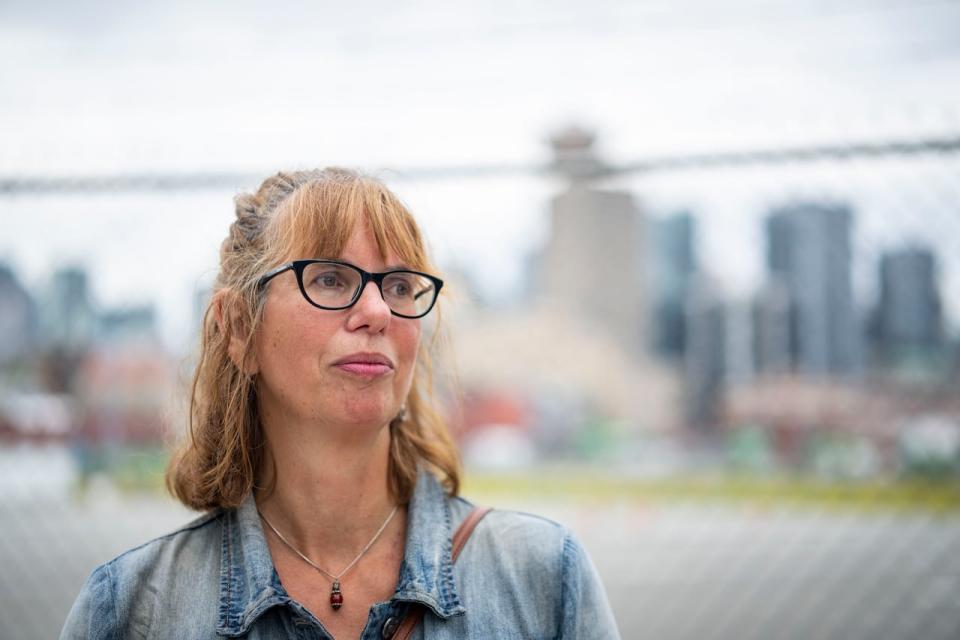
point(396, 267)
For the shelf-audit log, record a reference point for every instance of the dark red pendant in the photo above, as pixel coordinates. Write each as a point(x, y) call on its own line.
point(336, 598)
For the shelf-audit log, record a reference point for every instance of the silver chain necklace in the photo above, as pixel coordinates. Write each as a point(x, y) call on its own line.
point(336, 596)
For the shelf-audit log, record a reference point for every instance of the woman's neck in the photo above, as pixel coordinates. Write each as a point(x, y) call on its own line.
point(329, 495)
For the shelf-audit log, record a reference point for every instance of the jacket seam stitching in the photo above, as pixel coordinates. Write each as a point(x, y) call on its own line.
point(226, 579)
point(113, 601)
point(563, 584)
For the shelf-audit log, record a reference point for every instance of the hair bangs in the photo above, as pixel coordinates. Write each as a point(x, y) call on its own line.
point(319, 218)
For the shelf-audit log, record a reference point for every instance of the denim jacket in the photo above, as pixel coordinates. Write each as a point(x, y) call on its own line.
point(519, 576)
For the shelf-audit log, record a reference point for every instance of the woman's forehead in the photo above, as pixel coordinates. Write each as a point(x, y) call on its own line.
point(362, 248)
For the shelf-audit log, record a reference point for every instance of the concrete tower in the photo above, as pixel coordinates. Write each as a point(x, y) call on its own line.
point(593, 263)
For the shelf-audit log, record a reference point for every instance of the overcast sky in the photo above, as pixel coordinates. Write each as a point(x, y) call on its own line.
point(116, 87)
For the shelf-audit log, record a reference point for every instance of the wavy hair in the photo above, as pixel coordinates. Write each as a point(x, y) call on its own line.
point(302, 213)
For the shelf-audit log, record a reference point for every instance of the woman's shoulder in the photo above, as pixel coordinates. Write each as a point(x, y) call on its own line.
point(536, 563)
point(140, 582)
point(516, 539)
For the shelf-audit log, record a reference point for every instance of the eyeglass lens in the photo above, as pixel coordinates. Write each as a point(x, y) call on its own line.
point(334, 285)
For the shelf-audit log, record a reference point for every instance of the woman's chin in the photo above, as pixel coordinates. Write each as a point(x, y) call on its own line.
point(372, 417)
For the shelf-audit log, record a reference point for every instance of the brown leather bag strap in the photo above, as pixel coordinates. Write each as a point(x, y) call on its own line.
point(415, 614)
point(466, 528)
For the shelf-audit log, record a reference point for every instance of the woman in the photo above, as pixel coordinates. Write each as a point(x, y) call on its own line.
point(329, 481)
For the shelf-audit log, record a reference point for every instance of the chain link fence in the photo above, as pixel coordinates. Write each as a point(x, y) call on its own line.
point(733, 374)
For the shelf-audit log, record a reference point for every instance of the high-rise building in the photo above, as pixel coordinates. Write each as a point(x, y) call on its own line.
point(18, 317)
point(592, 266)
point(673, 267)
point(68, 318)
point(809, 251)
point(908, 316)
point(772, 348)
point(705, 358)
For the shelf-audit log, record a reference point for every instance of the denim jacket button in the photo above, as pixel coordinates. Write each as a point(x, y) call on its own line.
point(390, 627)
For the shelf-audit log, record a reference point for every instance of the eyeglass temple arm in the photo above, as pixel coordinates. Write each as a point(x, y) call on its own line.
point(434, 285)
point(269, 275)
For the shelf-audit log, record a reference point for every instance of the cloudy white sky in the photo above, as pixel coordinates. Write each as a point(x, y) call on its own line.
point(109, 87)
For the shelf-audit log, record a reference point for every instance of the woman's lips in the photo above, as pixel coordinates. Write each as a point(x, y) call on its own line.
point(369, 369)
point(365, 364)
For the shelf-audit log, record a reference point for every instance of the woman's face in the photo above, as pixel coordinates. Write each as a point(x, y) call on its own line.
point(345, 369)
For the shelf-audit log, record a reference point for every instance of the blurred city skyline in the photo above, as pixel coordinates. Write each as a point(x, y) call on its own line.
point(614, 305)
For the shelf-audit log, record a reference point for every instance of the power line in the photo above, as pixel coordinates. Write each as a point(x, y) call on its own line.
point(795, 155)
point(204, 181)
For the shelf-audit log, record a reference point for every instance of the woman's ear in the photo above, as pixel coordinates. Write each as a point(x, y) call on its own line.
point(227, 310)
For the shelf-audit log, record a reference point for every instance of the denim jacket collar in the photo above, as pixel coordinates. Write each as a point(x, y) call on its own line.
point(249, 584)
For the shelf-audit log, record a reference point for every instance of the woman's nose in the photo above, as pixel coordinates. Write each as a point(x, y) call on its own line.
point(370, 310)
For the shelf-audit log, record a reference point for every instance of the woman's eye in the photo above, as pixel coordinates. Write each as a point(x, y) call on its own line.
point(400, 289)
point(328, 280)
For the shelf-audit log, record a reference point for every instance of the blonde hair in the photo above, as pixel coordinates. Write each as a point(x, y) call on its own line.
point(302, 214)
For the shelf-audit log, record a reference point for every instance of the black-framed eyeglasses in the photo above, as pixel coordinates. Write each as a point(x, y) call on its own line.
point(334, 285)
